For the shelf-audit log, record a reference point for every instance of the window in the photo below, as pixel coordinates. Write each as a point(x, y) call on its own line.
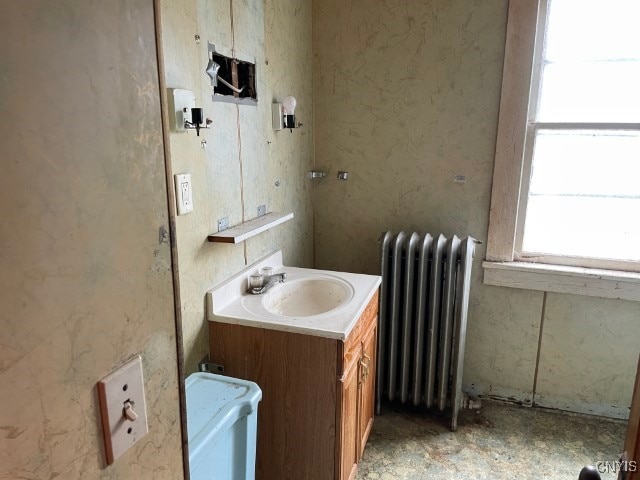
point(581, 198)
point(566, 185)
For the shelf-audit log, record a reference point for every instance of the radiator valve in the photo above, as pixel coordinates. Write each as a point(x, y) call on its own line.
point(472, 403)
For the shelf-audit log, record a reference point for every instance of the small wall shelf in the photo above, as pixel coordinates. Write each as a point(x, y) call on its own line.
point(245, 230)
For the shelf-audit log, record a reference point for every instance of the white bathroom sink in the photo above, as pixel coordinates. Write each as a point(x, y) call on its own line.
point(311, 302)
point(306, 297)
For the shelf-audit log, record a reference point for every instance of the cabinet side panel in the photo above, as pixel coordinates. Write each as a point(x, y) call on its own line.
point(297, 415)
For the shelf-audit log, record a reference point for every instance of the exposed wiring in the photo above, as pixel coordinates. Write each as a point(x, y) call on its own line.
point(224, 82)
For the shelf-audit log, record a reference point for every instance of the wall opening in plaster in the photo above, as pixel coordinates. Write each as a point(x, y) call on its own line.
point(236, 79)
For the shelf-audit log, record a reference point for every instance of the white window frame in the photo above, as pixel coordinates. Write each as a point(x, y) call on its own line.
point(505, 264)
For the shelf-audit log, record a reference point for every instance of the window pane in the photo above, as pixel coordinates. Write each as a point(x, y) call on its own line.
point(587, 30)
point(590, 92)
point(584, 195)
point(586, 162)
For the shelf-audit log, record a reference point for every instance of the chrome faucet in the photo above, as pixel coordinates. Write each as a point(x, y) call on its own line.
point(259, 284)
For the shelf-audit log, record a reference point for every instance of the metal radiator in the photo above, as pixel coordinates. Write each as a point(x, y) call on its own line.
point(424, 300)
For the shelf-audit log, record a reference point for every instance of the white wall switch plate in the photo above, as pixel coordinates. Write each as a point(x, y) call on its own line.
point(184, 193)
point(180, 104)
point(124, 412)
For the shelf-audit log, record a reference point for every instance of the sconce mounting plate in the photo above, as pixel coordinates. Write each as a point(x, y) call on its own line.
point(180, 104)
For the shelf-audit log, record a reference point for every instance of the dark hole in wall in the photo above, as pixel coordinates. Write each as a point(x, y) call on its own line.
point(224, 72)
point(239, 74)
point(247, 79)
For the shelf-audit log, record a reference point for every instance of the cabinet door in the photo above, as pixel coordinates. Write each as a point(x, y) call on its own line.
point(367, 376)
point(348, 444)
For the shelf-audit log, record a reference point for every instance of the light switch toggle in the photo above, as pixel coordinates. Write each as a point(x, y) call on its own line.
point(128, 411)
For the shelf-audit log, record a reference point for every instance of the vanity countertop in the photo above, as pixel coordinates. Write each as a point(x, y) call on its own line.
point(230, 303)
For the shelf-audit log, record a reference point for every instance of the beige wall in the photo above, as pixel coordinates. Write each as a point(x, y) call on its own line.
point(406, 97)
point(85, 274)
point(244, 157)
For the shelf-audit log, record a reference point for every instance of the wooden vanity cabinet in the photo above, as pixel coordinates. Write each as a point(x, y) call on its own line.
point(318, 395)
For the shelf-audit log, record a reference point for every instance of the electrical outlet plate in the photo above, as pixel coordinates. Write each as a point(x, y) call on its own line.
point(180, 104)
point(123, 385)
point(184, 193)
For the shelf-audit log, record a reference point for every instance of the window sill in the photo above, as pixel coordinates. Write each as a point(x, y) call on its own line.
point(561, 279)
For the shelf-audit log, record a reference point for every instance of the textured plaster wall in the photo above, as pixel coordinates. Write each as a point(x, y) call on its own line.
point(589, 353)
point(85, 274)
point(244, 157)
point(407, 97)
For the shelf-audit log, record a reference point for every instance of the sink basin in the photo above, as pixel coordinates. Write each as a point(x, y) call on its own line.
point(321, 303)
point(306, 297)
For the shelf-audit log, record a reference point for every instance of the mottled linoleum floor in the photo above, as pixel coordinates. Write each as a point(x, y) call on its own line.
point(501, 442)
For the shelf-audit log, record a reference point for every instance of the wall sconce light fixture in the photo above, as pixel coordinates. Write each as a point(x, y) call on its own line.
point(284, 114)
point(183, 114)
point(196, 121)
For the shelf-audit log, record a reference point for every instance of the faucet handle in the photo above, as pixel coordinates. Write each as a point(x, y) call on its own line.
point(266, 271)
point(256, 281)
